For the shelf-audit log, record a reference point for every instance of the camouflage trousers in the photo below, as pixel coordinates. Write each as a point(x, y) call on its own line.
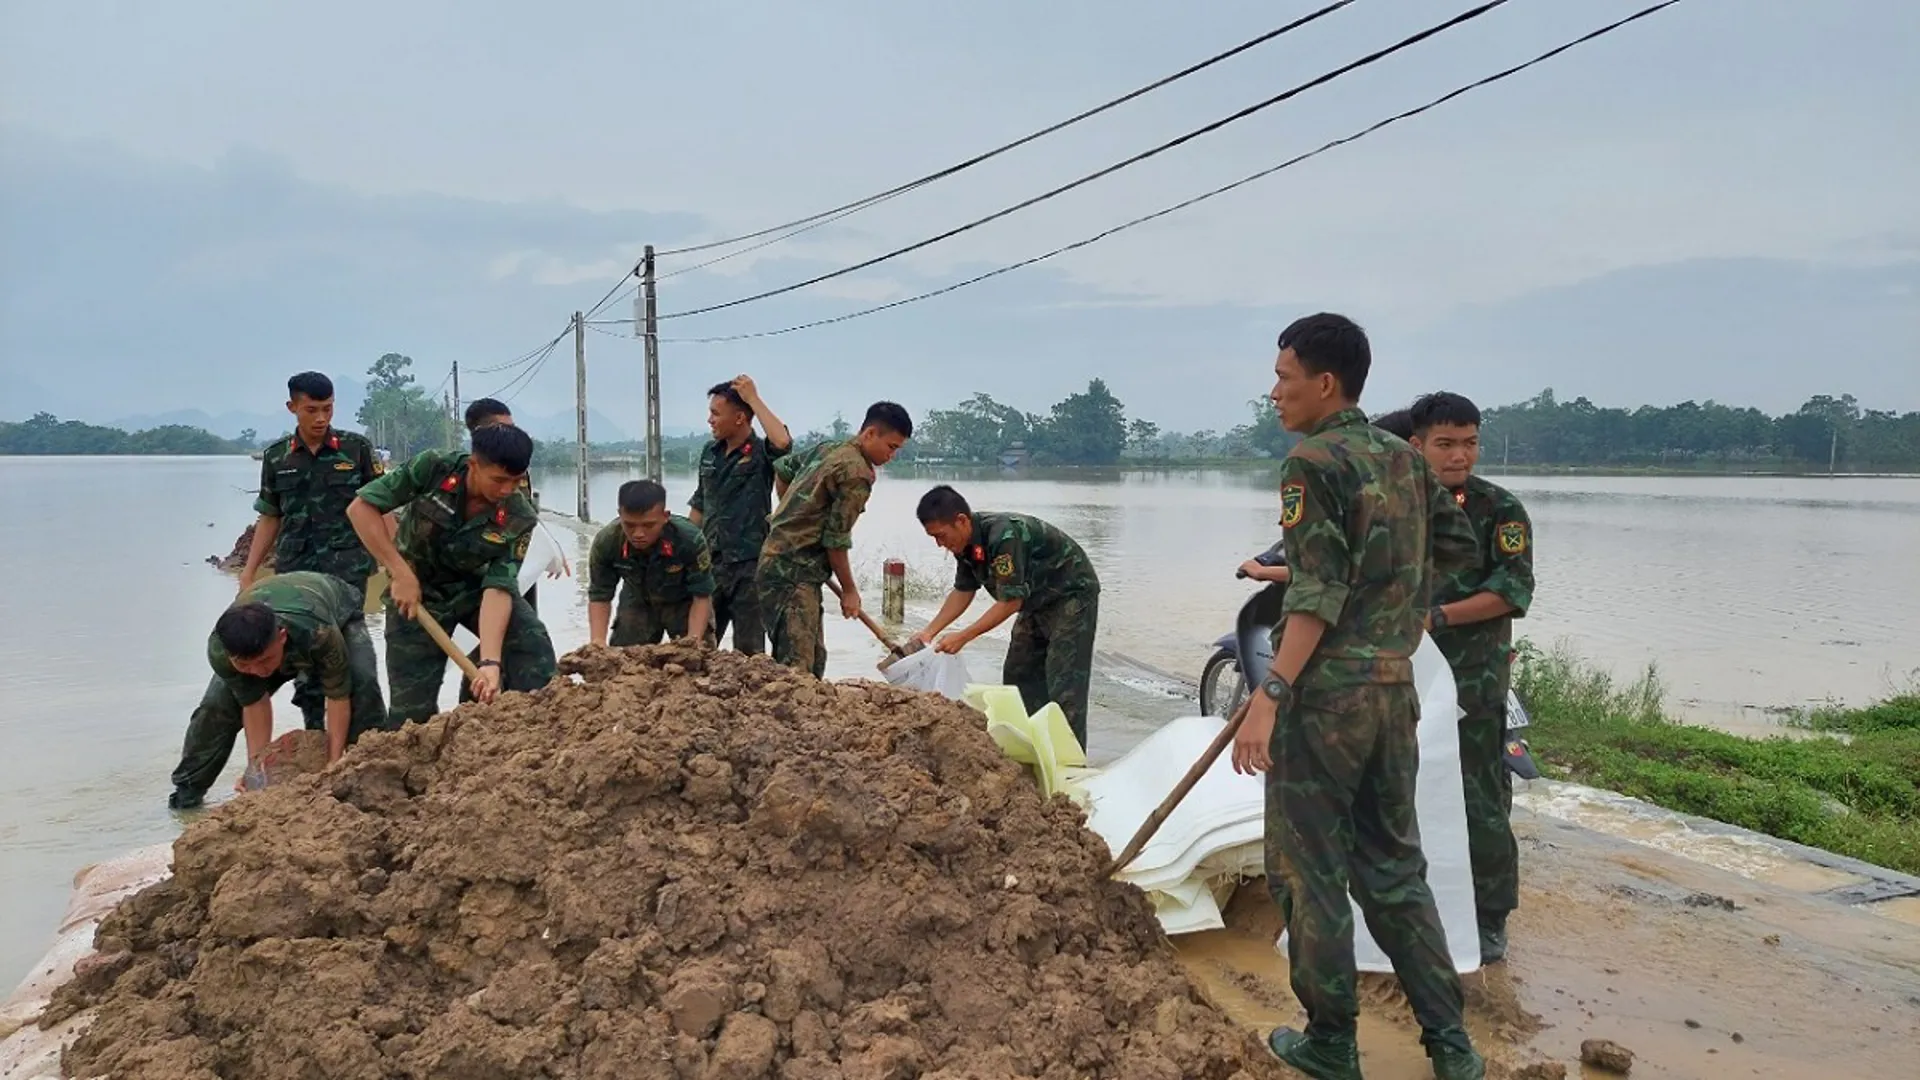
point(650, 624)
point(416, 667)
point(793, 617)
point(1051, 658)
point(216, 725)
point(736, 603)
point(1340, 819)
point(1494, 852)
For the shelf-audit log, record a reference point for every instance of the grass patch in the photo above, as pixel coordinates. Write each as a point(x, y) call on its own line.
point(1859, 797)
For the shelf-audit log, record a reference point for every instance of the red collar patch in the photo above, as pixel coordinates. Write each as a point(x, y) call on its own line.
point(746, 449)
point(1460, 497)
point(626, 549)
point(500, 516)
point(666, 547)
point(979, 553)
point(451, 482)
point(293, 443)
point(333, 442)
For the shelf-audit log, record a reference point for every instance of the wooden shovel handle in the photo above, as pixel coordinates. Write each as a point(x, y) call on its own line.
point(439, 634)
point(892, 648)
point(1179, 792)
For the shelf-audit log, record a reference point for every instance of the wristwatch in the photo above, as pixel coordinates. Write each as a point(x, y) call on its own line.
point(488, 663)
point(1277, 689)
point(1436, 617)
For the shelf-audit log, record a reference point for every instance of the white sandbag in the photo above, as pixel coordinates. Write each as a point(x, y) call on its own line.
point(942, 673)
point(26, 1052)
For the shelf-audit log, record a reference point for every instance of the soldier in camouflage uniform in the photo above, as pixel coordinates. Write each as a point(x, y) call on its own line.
point(658, 562)
point(458, 555)
point(480, 413)
point(1333, 723)
point(1031, 569)
point(294, 625)
point(731, 504)
point(1472, 623)
point(811, 532)
point(306, 483)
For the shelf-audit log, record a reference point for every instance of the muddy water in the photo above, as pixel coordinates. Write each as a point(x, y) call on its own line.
point(1749, 592)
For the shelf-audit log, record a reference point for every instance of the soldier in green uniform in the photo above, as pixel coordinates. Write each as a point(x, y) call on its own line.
point(1034, 571)
point(1366, 526)
point(458, 556)
point(1472, 622)
point(811, 532)
point(731, 504)
point(484, 411)
point(293, 625)
point(660, 566)
point(306, 483)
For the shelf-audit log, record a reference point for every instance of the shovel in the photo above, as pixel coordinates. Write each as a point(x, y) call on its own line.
point(1167, 805)
point(894, 651)
point(439, 635)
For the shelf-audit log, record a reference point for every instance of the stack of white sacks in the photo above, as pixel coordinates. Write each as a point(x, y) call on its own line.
point(1214, 840)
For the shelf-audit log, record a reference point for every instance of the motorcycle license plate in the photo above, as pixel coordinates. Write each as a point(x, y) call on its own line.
point(1516, 712)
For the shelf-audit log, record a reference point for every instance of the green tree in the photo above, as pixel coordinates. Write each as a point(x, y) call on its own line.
point(1088, 428)
point(47, 434)
point(841, 429)
point(398, 414)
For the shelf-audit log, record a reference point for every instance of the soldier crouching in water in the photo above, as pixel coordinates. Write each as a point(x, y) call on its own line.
point(1333, 723)
point(457, 556)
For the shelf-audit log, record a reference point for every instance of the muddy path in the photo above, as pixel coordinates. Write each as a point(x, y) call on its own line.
point(1701, 973)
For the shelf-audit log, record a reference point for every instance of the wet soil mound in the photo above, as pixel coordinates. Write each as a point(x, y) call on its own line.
point(689, 865)
point(237, 558)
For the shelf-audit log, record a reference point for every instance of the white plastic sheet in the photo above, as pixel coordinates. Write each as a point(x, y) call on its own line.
point(942, 673)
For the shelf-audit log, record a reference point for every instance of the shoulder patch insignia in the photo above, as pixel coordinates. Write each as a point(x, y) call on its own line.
point(705, 561)
point(520, 549)
point(1003, 566)
point(1512, 537)
point(1293, 502)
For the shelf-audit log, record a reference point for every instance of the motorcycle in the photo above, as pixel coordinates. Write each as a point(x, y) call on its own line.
point(1225, 682)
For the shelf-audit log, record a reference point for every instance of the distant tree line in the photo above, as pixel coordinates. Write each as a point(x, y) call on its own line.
point(1547, 431)
point(47, 434)
point(1086, 428)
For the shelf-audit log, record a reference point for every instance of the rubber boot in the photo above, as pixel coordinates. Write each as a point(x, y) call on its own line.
point(1322, 1059)
point(1493, 939)
point(1452, 1055)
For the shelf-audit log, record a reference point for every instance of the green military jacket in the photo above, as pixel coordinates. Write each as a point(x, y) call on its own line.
point(677, 568)
point(1020, 557)
point(734, 496)
point(828, 489)
point(309, 492)
point(312, 608)
point(456, 557)
point(1480, 652)
point(1367, 524)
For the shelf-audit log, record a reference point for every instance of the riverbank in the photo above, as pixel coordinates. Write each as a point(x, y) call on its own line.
point(1852, 789)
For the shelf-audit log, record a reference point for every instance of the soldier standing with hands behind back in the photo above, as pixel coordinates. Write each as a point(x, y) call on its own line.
point(1333, 724)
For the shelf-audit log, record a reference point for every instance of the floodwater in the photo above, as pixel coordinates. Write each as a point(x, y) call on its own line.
point(1750, 593)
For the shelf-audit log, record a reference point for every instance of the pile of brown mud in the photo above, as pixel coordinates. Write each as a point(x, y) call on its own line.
point(237, 558)
point(687, 864)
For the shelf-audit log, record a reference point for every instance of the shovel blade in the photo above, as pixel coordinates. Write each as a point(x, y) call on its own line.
point(906, 650)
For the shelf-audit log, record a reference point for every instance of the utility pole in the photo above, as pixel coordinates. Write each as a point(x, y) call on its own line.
point(456, 391)
point(580, 412)
point(446, 402)
point(650, 329)
point(1833, 449)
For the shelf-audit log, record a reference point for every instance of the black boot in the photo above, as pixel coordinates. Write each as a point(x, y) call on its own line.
point(1493, 939)
point(1322, 1058)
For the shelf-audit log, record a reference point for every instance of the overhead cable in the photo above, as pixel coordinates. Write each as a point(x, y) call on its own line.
point(1319, 80)
point(1179, 206)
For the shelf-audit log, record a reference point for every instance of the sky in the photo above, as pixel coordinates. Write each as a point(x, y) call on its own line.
point(198, 199)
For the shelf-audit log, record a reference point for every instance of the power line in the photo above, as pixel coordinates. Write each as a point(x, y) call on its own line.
point(526, 357)
point(950, 170)
point(1179, 206)
point(1463, 17)
point(827, 217)
point(539, 358)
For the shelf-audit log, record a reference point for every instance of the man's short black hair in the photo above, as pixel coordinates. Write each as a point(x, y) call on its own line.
point(1444, 407)
point(1328, 343)
point(246, 630)
point(504, 445)
point(941, 505)
point(640, 496)
point(1398, 422)
point(726, 390)
point(310, 385)
point(887, 416)
point(485, 409)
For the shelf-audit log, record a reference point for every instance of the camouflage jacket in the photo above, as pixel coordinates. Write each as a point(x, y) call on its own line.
point(456, 557)
point(828, 487)
point(734, 495)
point(312, 608)
point(1478, 652)
point(1367, 525)
point(309, 493)
point(675, 569)
point(1018, 557)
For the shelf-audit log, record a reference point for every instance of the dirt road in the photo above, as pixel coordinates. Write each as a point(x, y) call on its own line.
point(1702, 973)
